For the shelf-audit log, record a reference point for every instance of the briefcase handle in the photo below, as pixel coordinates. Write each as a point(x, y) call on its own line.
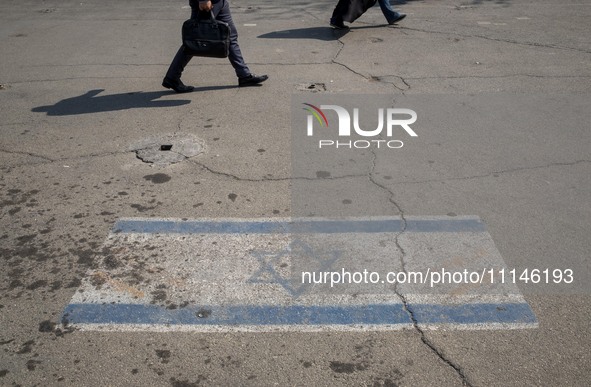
point(205, 15)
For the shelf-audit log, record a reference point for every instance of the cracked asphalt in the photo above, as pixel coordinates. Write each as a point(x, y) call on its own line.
point(80, 85)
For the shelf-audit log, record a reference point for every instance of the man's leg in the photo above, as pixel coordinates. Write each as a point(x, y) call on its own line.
point(391, 15)
point(222, 12)
point(172, 80)
point(178, 64)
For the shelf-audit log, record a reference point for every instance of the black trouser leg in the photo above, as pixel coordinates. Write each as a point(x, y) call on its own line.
point(235, 56)
point(178, 65)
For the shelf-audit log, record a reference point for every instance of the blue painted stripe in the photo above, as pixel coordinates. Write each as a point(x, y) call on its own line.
point(377, 314)
point(304, 226)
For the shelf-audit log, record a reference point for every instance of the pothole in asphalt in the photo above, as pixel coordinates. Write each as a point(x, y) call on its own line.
point(313, 87)
point(168, 148)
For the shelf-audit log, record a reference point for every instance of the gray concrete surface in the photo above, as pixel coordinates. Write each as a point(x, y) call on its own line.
point(81, 86)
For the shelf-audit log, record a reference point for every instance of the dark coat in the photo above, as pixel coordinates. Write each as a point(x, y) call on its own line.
point(351, 10)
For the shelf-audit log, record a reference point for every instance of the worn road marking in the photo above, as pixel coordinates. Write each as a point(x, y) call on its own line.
point(248, 275)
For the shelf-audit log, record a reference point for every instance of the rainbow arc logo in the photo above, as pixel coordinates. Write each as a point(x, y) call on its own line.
point(317, 113)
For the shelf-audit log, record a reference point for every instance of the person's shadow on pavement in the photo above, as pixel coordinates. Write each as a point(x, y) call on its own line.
point(326, 34)
point(90, 103)
point(317, 33)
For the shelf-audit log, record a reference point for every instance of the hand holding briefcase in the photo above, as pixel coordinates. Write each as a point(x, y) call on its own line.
point(205, 36)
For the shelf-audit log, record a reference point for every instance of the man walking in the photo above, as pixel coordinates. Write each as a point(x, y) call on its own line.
point(221, 11)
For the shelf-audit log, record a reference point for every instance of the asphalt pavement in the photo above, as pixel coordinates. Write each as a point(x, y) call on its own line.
point(110, 243)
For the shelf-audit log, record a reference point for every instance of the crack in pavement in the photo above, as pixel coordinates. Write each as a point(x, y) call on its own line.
point(501, 172)
point(439, 353)
point(369, 77)
point(341, 48)
point(404, 80)
point(334, 60)
point(500, 76)
point(372, 179)
point(381, 79)
point(314, 15)
point(530, 44)
point(353, 71)
point(407, 308)
point(265, 179)
point(47, 159)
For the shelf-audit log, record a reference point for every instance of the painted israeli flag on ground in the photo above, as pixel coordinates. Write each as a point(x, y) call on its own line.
point(300, 275)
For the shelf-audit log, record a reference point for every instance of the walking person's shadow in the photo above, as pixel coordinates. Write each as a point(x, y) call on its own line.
point(90, 103)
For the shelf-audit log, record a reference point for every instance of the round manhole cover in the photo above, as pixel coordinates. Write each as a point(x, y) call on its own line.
point(168, 148)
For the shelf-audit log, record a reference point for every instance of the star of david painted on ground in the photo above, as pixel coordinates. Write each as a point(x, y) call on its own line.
point(270, 260)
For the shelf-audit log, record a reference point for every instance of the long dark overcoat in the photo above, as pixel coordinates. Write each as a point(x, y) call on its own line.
point(350, 10)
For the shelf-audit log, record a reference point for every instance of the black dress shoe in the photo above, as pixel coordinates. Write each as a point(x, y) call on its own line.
point(177, 86)
point(397, 19)
point(252, 80)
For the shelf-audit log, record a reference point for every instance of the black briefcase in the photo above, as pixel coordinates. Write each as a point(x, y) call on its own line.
point(206, 36)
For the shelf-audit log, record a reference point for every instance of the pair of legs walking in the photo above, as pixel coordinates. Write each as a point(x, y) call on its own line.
point(221, 12)
point(342, 8)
